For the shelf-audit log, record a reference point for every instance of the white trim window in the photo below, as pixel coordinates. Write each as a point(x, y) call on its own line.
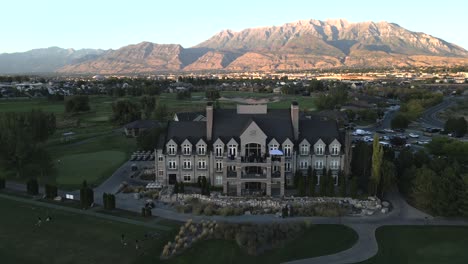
point(202, 164)
point(201, 150)
point(161, 173)
point(335, 177)
point(335, 150)
point(304, 149)
point(187, 164)
point(287, 150)
point(219, 150)
point(318, 164)
point(273, 147)
point(219, 180)
point(232, 150)
point(319, 150)
point(171, 149)
point(219, 165)
point(334, 164)
point(160, 158)
point(287, 166)
point(172, 164)
point(186, 149)
point(303, 164)
point(187, 178)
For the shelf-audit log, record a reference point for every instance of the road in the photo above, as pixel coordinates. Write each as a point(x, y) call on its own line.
point(429, 117)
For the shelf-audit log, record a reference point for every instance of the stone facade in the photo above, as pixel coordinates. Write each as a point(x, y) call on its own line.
point(243, 163)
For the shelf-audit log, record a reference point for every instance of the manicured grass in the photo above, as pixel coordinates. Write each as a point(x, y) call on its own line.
point(75, 238)
point(421, 244)
point(317, 241)
point(73, 169)
point(70, 238)
point(93, 160)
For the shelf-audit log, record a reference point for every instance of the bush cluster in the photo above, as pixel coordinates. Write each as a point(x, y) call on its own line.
point(32, 187)
point(51, 191)
point(108, 201)
point(2, 183)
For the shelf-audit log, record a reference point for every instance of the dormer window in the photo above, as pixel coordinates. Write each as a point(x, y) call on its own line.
point(273, 147)
point(304, 149)
point(186, 149)
point(319, 150)
point(287, 150)
point(201, 150)
point(232, 150)
point(335, 150)
point(219, 150)
point(171, 149)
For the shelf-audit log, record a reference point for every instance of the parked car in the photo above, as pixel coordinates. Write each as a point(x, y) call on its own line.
point(412, 135)
point(389, 130)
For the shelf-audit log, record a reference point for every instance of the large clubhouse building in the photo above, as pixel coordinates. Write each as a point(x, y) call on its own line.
point(250, 150)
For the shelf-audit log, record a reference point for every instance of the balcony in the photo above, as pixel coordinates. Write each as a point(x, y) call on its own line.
point(254, 159)
point(253, 175)
point(276, 174)
point(231, 174)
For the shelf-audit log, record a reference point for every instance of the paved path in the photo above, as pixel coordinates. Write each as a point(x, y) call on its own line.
point(85, 212)
point(367, 246)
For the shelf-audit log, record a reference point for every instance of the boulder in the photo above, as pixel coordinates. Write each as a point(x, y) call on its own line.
point(385, 204)
point(384, 210)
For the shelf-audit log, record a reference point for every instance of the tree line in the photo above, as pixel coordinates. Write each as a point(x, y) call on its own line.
point(21, 139)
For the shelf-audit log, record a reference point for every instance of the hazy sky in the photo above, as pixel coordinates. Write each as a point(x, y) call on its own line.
point(108, 24)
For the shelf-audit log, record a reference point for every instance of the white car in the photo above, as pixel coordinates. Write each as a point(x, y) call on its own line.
point(412, 135)
point(387, 130)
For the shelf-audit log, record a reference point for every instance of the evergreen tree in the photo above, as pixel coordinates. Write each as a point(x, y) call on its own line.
point(330, 184)
point(448, 194)
point(424, 187)
point(301, 188)
point(176, 187)
point(388, 176)
point(342, 182)
point(32, 187)
point(377, 157)
point(323, 183)
point(181, 187)
point(312, 181)
point(354, 187)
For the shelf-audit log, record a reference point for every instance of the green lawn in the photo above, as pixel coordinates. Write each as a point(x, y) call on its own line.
point(421, 244)
point(93, 160)
point(317, 241)
point(73, 169)
point(74, 238)
point(70, 238)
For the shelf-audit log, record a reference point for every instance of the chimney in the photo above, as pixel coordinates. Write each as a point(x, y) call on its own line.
point(209, 121)
point(295, 119)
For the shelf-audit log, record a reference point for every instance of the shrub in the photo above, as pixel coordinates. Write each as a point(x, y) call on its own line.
point(32, 187)
point(198, 208)
point(226, 211)
point(209, 210)
point(51, 191)
point(2, 183)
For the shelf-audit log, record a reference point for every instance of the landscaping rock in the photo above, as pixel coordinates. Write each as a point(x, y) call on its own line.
point(384, 210)
point(385, 204)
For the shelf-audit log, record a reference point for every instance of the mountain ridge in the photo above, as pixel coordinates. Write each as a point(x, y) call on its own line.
point(299, 45)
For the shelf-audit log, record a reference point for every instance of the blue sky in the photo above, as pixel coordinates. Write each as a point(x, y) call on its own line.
point(107, 24)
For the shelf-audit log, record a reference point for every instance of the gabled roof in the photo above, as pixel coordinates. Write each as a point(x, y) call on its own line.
point(314, 129)
point(179, 131)
point(142, 124)
point(276, 123)
point(189, 116)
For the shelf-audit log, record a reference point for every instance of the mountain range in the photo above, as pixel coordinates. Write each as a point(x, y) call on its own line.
point(301, 45)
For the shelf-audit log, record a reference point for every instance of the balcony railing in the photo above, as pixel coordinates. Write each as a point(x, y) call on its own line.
point(254, 159)
point(253, 176)
point(231, 174)
point(276, 174)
